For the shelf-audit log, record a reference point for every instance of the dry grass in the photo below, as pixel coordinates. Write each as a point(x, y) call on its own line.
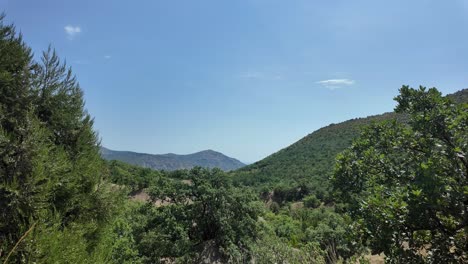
point(376, 259)
point(142, 196)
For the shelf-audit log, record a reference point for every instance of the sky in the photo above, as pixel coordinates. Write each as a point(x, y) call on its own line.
point(246, 77)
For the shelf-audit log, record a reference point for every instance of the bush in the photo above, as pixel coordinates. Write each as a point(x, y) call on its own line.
point(311, 201)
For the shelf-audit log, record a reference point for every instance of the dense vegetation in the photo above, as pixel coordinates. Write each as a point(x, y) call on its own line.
point(133, 177)
point(407, 186)
point(206, 159)
point(399, 187)
point(307, 164)
point(54, 202)
point(234, 224)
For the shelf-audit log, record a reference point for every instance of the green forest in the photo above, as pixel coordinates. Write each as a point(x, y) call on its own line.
point(390, 188)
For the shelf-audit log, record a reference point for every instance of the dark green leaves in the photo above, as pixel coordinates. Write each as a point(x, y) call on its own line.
point(406, 184)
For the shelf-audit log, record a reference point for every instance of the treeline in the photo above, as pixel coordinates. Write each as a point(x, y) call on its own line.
point(306, 166)
point(200, 216)
point(133, 177)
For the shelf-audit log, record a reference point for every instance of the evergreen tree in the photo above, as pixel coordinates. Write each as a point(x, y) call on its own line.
point(20, 139)
point(51, 174)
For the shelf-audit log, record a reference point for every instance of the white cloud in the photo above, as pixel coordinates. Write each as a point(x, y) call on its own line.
point(336, 83)
point(107, 57)
point(72, 31)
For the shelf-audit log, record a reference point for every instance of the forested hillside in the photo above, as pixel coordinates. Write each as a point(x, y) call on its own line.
point(312, 156)
point(310, 161)
point(459, 97)
point(170, 162)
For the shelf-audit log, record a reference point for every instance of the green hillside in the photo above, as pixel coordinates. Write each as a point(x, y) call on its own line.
point(310, 160)
point(460, 96)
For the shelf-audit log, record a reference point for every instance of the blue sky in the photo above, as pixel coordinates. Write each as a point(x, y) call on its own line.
point(246, 77)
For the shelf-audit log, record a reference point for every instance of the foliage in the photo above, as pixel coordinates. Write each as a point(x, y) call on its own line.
point(401, 188)
point(51, 174)
point(407, 184)
point(312, 157)
point(202, 213)
point(460, 97)
point(328, 231)
point(137, 178)
point(305, 167)
point(271, 249)
point(311, 201)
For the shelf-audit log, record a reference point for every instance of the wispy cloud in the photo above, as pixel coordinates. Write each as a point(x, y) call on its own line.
point(336, 83)
point(107, 57)
point(72, 31)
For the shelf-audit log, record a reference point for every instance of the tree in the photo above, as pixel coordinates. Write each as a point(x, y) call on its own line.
point(311, 201)
point(203, 212)
point(406, 184)
point(22, 142)
point(51, 173)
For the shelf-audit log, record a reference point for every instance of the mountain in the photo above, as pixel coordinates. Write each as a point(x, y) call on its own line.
point(170, 162)
point(312, 158)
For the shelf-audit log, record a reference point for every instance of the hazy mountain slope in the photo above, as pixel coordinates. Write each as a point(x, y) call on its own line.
point(460, 96)
point(207, 159)
point(312, 158)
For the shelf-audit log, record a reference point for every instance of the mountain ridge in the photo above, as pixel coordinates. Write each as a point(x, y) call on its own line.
point(171, 161)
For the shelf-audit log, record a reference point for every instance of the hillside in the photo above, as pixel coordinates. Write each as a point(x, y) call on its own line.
point(460, 96)
point(312, 158)
point(170, 162)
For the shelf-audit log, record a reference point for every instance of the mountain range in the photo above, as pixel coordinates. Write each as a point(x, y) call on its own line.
point(170, 162)
point(310, 159)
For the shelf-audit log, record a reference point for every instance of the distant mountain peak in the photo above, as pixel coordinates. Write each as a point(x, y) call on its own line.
point(208, 151)
point(170, 161)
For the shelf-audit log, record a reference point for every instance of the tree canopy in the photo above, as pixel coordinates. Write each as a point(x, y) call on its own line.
point(407, 184)
point(51, 174)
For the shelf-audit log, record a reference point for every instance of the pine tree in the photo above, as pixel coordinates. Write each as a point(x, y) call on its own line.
point(17, 133)
point(52, 187)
